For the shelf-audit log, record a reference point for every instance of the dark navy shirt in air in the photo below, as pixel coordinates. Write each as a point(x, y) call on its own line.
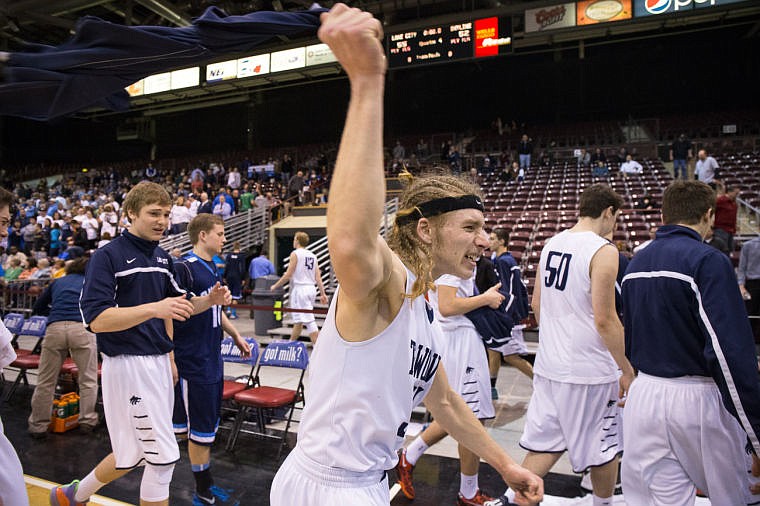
point(684, 316)
point(61, 299)
point(128, 272)
point(197, 341)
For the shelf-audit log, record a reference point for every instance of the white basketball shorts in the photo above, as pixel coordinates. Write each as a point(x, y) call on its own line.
point(466, 365)
point(302, 297)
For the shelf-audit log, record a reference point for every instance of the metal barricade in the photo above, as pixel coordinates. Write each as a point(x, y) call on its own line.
point(19, 295)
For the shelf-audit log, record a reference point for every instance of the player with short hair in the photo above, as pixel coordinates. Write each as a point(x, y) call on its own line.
point(580, 352)
point(379, 351)
point(234, 275)
point(303, 272)
point(197, 353)
point(693, 413)
point(129, 300)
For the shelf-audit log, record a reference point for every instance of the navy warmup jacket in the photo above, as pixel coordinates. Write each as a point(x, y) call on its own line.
point(684, 315)
point(127, 272)
point(102, 58)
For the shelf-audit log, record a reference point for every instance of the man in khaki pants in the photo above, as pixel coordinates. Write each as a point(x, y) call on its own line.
point(65, 334)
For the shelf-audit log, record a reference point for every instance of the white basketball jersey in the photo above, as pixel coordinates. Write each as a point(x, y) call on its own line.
point(570, 350)
point(465, 288)
point(360, 396)
point(306, 266)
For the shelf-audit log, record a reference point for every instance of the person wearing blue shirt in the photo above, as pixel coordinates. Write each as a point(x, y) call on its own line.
point(197, 353)
point(259, 267)
point(65, 335)
point(129, 300)
point(692, 417)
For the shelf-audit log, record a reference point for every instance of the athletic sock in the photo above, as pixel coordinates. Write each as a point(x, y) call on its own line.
point(510, 494)
point(493, 382)
point(599, 501)
point(87, 487)
point(415, 450)
point(468, 486)
point(203, 480)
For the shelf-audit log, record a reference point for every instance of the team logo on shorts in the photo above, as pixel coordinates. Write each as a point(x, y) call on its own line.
point(135, 400)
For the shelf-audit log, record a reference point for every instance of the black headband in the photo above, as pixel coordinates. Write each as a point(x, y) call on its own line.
point(440, 206)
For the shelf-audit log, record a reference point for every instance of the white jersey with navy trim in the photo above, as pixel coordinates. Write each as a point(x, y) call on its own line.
point(465, 288)
point(360, 396)
point(570, 349)
point(306, 266)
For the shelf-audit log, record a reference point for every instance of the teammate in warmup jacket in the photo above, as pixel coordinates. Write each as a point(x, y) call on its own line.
point(129, 300)
point(197, 353)
point(379, 351)
point(692, 419)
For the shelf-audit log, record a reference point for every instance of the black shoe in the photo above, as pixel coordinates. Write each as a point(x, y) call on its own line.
point(38, 435)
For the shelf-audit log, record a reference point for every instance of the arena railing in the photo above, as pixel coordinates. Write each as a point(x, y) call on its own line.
point(19, 295)
point(319, 248)
point(249, 228)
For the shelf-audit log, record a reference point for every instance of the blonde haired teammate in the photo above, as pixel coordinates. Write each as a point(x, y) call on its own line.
point(303, 272)
point(379, 350)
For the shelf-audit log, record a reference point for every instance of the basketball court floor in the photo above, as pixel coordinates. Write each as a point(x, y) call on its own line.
point(248, 471)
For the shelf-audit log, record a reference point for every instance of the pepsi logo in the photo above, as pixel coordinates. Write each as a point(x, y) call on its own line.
point(657, 6)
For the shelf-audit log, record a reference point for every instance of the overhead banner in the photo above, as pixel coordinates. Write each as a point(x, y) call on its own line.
point(288, 60)
point(550, 18)
point(185, 78)
point(136, 89)
point(493, 36)
point(319, 54)
point(221, 71)
point(590, 12)
point(158, 83)
point(253, 65)
point(655, 7)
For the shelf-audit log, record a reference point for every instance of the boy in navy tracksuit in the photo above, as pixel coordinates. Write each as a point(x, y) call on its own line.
point(693, 413)
point(129, 299)
point(197, 353)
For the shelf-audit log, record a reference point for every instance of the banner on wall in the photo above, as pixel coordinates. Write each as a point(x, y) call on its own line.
point(550, 18)
point(590, 12)
point(655, 7)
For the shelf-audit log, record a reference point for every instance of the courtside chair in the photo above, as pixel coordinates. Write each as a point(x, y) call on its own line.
point(231, 354)
point(265, 400)
point(34, 327)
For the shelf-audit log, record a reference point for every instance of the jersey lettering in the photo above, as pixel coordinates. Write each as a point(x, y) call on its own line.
point(557, 272)
point(309, 262)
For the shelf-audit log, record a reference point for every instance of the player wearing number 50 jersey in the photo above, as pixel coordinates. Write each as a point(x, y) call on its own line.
point(575, 392)
point(303, 272)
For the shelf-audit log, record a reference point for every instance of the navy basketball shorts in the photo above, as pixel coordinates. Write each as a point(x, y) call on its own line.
point(196, 410)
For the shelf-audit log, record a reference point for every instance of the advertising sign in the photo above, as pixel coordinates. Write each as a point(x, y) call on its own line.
point(591, 12)
point(158, 83)
point(550, 18)
point(136, 89)
point(493, 36)
point(288, 59)
point(319, 54)
point(253, 65)
point(655, 7)
point(185, 78)
point(221, 71)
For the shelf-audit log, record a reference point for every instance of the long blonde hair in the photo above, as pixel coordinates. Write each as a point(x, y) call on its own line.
point(405, 241)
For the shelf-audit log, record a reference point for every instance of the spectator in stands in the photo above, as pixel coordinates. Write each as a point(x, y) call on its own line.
point(399, 152)
point(14, 252)
point(473, 177)
point(524, 151)
point(223, 208)
point(295, 187)
point(631, 167)
point(43, 269)
point(28, 233)
point(105, 238)
point(205, 204)
point(59, 269)
point(55, 240)
point(91, 228)
point(233, 179)
point(150, 172)
point(422, 149)
point(600, 169)
point(176, 254)
point(455, 160)
point(246, 198)
point(507, 174)
point(14, 269)
point(598, 156)
point(646, 202)
point(65, 335)
point(72, 250)
point(15, 237)
point(109, 220)
point(179, 216)
point(79, 235)
point(748, 275)
point(706, 169)
point(31, 268)
point(583, 158)
point(680, 154)
point(725, 216)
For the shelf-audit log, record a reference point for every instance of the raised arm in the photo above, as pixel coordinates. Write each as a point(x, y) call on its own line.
point(361, 259)
point(604, 267)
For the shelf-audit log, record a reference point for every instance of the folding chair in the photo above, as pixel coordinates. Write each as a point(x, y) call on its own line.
point(290, 354)
point(35, 327)
point(231, 354)
point(14, 322)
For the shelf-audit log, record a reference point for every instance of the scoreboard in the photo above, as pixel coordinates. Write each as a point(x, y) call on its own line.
point(449, 42)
